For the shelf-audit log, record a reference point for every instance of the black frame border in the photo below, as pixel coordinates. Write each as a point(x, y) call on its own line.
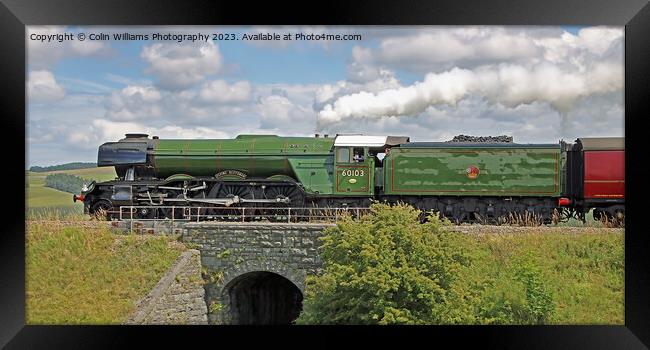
point(15, 15)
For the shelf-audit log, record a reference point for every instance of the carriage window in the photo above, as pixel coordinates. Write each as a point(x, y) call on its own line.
point(343, 155)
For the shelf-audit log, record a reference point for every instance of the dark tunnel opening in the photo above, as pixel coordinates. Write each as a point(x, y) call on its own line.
point(261, 298)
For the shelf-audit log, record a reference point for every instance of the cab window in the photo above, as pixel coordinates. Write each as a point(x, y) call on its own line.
point(343, 155)
point(358, 155)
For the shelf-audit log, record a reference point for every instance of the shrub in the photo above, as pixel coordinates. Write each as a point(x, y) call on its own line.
point(387, 268)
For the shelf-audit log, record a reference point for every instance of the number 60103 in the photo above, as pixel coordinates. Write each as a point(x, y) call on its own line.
point(350, 172)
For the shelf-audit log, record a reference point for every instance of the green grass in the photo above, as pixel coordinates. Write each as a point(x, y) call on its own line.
point(65, 212)
point(97, 174)
point(39, 196)
point(88, 275)
point(583, 272)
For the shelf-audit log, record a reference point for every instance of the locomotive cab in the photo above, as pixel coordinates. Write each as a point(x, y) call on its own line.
point(357, 162)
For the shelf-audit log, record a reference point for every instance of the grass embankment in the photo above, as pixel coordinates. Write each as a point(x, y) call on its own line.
point(88, 275)
point(47, 202)
point(582, 272)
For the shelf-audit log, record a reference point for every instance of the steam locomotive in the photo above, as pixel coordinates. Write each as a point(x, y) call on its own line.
point(463, 181)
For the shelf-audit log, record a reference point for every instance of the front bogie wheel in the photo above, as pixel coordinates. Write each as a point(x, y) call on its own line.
point(102, 209)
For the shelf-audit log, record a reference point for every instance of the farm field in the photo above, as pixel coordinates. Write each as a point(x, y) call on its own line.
point(39, 197)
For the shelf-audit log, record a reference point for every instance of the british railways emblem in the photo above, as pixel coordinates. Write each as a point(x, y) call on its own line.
point(472, 172)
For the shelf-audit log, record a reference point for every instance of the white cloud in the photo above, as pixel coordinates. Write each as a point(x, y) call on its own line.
point(43, 54)
point(432, 49)
point(275, 110)
point(106, 130)
point(134, 102)
point(42, 87)
point(443, 47)
point(219, 91)
point(280, 113)
point(79, 137)
point(179, 66)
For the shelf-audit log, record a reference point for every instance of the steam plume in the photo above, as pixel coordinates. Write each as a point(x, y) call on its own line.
point(508, 84)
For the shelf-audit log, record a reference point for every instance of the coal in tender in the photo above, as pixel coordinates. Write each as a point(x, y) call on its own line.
point(482, 139)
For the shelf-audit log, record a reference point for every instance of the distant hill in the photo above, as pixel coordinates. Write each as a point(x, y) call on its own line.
point(66, 166)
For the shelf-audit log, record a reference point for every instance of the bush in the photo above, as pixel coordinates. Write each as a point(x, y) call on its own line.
point(388, 268)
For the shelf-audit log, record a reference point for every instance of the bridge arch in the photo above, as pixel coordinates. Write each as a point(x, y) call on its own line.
point(262, 297)
point(260, 292)
point(239, 257)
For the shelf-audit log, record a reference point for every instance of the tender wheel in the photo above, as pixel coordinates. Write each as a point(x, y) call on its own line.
point(611, 217)
point(619, 217)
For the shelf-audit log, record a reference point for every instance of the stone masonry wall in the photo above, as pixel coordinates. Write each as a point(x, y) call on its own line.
point(178, 298)
point(230, 250)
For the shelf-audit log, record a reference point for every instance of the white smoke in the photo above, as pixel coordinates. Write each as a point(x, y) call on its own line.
point(508, 84)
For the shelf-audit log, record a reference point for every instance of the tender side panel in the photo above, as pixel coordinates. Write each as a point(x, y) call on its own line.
point(604, 174)
point(474, 171)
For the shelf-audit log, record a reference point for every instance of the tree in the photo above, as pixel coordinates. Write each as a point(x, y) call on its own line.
point(64, 182)
point(388, 268)
point(66, 166)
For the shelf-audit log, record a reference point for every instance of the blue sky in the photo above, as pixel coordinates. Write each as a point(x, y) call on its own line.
point(537, 84)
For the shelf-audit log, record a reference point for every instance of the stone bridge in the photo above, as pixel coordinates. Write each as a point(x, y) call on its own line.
point(255, 272)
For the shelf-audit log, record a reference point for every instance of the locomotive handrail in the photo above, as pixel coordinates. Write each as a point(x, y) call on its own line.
point(240, 214)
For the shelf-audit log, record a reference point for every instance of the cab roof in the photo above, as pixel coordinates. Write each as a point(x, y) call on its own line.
point(369, 141)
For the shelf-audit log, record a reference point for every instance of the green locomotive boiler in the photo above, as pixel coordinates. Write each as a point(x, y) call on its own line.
point(462, 181)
